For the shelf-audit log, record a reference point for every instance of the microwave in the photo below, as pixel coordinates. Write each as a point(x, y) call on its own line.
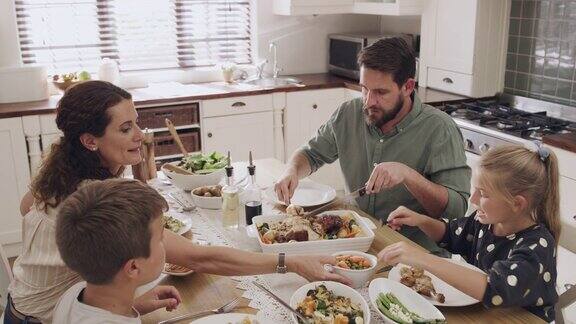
point(344, 48)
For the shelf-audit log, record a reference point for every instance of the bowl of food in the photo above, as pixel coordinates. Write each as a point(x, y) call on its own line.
point(197, 171)
point(66, 80)
point(397, 303)
point(330, 302)
point(180, 227)
point(328, 232)
point(356, 266)
point(208, 197)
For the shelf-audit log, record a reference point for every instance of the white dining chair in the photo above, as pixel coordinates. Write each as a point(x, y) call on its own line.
point(5, 278)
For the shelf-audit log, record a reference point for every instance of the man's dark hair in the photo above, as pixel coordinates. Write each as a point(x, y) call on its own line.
point(390, 55)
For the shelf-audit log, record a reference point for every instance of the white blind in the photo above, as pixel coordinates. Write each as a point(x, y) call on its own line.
point(72, 35)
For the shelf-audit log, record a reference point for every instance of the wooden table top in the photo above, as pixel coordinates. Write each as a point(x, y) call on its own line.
point(203, 291)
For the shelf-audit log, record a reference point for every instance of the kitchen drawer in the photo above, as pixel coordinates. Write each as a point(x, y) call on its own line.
point(236, 105)
point(450, 81)
point(180, 115)
point(164, 144)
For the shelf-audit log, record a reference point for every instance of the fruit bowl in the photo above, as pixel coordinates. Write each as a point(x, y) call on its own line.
point(63, 85)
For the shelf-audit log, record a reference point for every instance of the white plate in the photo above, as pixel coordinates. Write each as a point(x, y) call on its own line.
point(307, 194)
point(409, 298)
point(454, 297)
point(232, 318)
point(186, 220)
point(360, 243)
point(338, 289)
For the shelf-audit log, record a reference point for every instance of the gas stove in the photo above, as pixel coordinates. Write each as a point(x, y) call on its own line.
point(505, 119)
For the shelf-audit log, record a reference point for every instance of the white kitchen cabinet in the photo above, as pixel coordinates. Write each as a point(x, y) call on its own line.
point(15, 175)
point(464, 46)
point(305, 112)
point(369, 7)
point(240, 134)
point(312, 7)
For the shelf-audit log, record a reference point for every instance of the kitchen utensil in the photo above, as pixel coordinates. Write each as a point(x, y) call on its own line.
point(354, 194)
point(174, 134)
point(222, 309)
point(283, 303)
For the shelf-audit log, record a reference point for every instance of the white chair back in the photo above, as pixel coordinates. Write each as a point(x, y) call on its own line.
point(5, 277)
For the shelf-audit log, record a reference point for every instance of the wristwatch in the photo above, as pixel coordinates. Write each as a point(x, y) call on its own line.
point(281, 267)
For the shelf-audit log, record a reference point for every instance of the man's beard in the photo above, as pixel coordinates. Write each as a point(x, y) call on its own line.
point(387, 116)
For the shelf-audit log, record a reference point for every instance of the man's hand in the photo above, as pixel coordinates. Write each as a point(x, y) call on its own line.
point(286, 186)
point(386, 175)
point(158, 297)
point(312, 268)
point(404, 216)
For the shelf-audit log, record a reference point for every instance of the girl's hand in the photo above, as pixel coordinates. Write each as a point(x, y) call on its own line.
point(401, 252)
point(404, 216)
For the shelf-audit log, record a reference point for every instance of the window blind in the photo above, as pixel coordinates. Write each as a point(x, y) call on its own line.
point(73, 35)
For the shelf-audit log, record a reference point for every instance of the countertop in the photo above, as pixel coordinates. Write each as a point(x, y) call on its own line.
point(173, 92)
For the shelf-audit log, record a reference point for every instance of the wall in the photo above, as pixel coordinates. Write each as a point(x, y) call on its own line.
point(9, 50)
point(302, 40)
point(542, 50)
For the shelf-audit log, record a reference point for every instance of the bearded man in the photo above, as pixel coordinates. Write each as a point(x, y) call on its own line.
point(406, 153)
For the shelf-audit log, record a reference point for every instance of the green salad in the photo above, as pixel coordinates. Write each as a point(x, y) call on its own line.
point(204, 163)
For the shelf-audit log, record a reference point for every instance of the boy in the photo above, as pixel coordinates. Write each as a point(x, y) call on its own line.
point(111, 233)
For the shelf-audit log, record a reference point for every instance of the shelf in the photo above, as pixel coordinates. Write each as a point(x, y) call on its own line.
point(384, 8)
point(398, 8)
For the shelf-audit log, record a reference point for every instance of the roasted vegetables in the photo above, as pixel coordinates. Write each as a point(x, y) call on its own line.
point(323, 306)
point(392, 308)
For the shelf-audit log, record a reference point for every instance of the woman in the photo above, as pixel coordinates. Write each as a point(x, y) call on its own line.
point(100, 137)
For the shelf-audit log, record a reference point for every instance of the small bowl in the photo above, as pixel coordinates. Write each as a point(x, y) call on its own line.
point(358, 277)
point(63, 85)
point(338, 289)
point(206, 202)
point(188, 182)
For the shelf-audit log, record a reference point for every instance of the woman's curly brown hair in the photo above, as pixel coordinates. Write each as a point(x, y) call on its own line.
point(82, 109)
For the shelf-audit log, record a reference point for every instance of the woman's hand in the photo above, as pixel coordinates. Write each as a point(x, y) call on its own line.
point(404, 216)
point(402, 252)
point(312, 268)
point(158, 297)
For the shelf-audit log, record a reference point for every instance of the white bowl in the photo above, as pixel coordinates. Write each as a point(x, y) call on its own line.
point(188, 182)
point(411, 299)
point(338, 289)
point(358, 277)
point(206, 202)
point(360, 243)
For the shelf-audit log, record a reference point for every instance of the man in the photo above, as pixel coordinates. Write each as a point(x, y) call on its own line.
point(404, 152)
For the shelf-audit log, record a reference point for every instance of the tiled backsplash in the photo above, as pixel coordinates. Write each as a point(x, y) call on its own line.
point(541, 50)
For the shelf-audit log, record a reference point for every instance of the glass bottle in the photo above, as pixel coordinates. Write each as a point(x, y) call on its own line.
point(230, 199)
point(252, 195)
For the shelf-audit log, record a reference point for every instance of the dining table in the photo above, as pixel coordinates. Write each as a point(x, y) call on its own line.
point(202, 291)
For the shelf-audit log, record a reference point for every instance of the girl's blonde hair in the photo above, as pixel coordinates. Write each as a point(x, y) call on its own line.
point(515, 170)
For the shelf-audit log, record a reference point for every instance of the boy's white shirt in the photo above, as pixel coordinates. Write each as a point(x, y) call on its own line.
point(70, 310)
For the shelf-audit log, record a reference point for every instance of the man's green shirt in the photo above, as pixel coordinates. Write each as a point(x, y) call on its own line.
point(426, 140)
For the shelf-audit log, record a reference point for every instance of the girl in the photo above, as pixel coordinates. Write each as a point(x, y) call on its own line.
point(512, 236)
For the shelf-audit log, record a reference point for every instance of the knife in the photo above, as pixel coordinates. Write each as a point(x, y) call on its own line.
point(288, 307)
point(354, 194)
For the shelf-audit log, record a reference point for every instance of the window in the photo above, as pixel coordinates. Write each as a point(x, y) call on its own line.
point(73, 35)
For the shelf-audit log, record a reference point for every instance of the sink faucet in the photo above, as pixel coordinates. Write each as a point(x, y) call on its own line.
point(275, 70)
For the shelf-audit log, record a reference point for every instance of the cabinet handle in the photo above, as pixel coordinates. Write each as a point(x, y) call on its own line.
point(447, 80)
point(238, 104)
point(314, 106)
point(209, 134)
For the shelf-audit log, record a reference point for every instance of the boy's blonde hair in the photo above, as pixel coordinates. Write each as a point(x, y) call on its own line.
point(106, 223)
point(515, 170)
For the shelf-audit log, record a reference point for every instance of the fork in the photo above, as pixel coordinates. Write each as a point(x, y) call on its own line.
point(185, 207)
point(220, 310)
